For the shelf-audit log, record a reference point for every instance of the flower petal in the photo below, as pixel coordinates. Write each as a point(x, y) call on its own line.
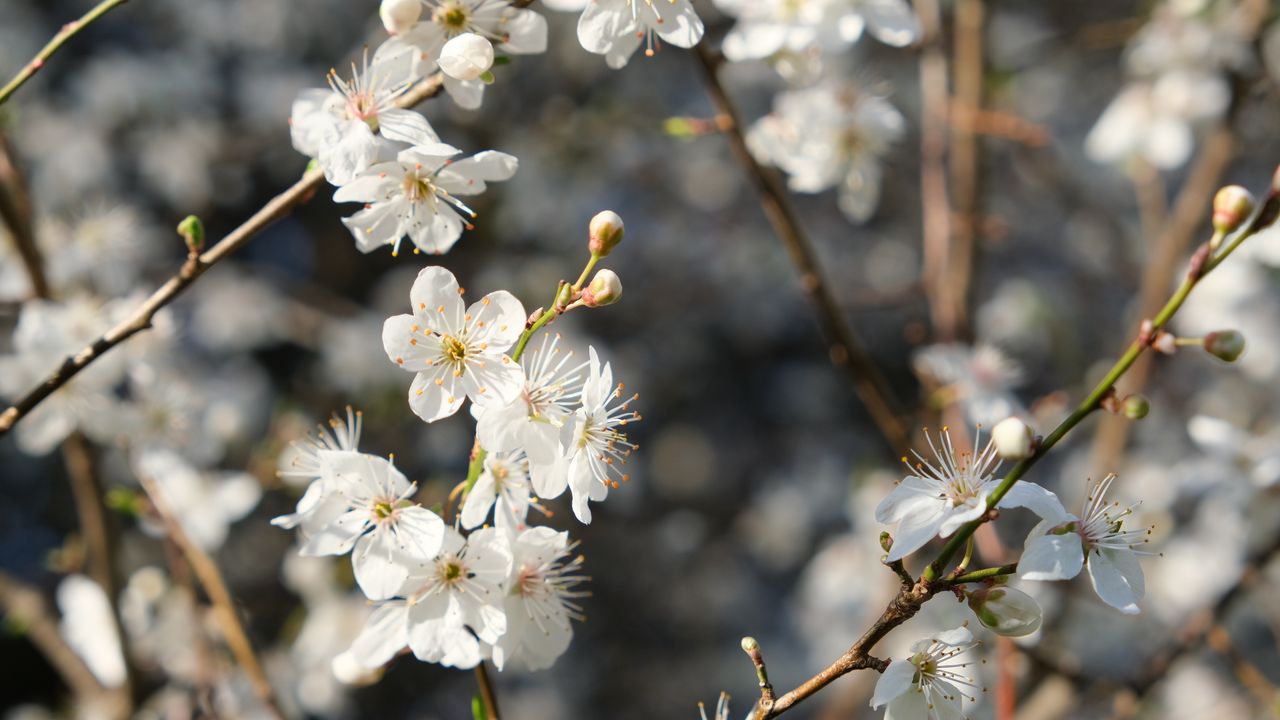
point(1051, 557)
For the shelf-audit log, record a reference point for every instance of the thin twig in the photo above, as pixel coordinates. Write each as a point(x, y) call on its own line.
point(27, 608)
point(67, 32)
point(216, 588)
point(193, 268)
point(488, 698)
point(845, 349)
point(16, 213)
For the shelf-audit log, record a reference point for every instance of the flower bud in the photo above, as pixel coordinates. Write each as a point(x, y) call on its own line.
point(604, 233)
point(886, 541)
point(1013, 439)
point(466, 57)
point(1135, 407)
point(1224, 344)
point(1006, 611)
point(605, 289)
point(192, 232)
point(1231, 206)
point(399, 15)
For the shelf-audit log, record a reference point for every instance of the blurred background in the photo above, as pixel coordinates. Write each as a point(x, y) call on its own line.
point(750, 511)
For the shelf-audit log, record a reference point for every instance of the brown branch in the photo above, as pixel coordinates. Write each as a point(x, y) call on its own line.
point(26, 606)
point(845, 349)
point(193, 268)
point(966, 163)
point(935, 208)
point(16, 212)
point(215, 587)
point(488, 698)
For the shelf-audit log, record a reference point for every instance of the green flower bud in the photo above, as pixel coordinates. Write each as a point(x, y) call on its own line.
point(1006, 611)
point(1224, 344)
point(192, 232)
point(1135, 407)
point(604, 233)
point(605, 289)
point(1231, 206)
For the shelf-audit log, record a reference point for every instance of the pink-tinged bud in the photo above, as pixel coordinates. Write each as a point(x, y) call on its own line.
point(1013, 439)
point(605, 289)
point(466, 57)
point(604, 233)
point(1006, 611)
point(399, 16)
point(1135, 407)
point(1224, 344)
point(886, 541)
point(1231, 206)
point(1165, 342)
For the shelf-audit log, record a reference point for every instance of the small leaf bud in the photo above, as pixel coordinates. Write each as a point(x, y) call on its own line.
point(1224, 344)
point(886, 541)
point(604, 233)
point(399, 15)
point(750, 644)
point(605, 289)
point(1231, 206)
point(1014, 440)
point(192, 232)
point(1135, 407)
point(1006, 611)
point(466, 57)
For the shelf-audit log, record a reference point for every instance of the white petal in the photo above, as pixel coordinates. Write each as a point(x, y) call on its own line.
point(419, 533)
point(468, 94)
point(437, 300)
point(1051, 557)
point(890, 21)
point(911, 496)
point(895, 681)
point(602, 23)
point(384, 635)
point(337, 537)
point(378, 572)
point(433, 401)
point(498, 319)
point(406, 126)
point(680, 24)
point(1117, 578)
point(404, 346)
point(1036, 499)
point(475, 509)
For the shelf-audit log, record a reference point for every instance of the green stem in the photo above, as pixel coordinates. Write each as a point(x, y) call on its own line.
point(984, 574)
point(586, 271)
point(67, 32)
point(1101, 390)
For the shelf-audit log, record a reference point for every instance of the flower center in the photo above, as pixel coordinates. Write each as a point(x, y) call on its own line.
point(452, 571)
point(417, 188)
point(452, 16)
point(382, 510)
point(454, 350)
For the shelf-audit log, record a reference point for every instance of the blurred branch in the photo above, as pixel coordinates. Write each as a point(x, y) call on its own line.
point(935, 210)
point(191, 270)
point(966, 163)
point(206, 571)
point(488, 698)
point(25, 606)
point(16, 212)
point(846, 350)
point(67, 32)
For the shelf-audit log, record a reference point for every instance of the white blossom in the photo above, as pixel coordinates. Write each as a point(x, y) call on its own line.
point(616, 28)
point(532, 420)
point(952, 489)
point(373, 517)
point(417, 195)
point(204, 503)
point(541, 599)
point(594, 446)
point(979, 378)
point(503, 486)
point(89, 627)
point(466, 57)
point(931, 683)
point(1060, 546)
point(832, 135)
point(455, 352)
point(767, 28)
point(343, 127)
point(416, 52)
point(449, 605)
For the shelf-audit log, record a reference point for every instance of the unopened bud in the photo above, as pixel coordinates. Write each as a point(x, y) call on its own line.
point(605, 289)
point(749, 644)
point(466, 57)
point(1006, 611)
point(1135, 407)
point(886, 541)
point(604, 233)
point(1165, 342)
point(192, 232)
point(1224, 344)
point(399, 15)
point(1013, 439)
point(1231, 206)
